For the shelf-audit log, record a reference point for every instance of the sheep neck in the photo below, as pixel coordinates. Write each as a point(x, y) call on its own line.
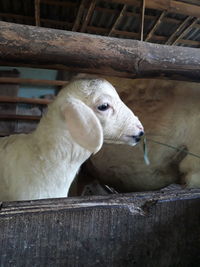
point(55, 142)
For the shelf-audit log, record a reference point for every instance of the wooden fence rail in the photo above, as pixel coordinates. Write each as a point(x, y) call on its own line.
point(51, 48)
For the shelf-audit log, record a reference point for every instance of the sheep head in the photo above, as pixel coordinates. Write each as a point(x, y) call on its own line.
point(95, 113)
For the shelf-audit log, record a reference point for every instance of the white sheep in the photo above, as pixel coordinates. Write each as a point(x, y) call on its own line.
point(43, 164)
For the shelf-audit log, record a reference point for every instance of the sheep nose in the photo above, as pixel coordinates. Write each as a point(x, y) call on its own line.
point(141, 133)
point(137, 138)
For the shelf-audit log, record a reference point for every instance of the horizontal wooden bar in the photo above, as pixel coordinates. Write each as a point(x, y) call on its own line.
point(100, 30)
point(19, 117)
point(173, 6)
point(59, 3)
point(96, 54)
point(3, 134)
point(8, 99)
point(140, 229)
point(32, 81)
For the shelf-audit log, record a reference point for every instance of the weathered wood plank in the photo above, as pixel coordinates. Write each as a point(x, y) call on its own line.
point(143, 229)
point(39, 101)
point(11, 80)
point(19, 117)
point(79, 52)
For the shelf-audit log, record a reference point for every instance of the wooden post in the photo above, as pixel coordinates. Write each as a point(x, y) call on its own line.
point(142, 229)
point(23, 44)
point(37, 13)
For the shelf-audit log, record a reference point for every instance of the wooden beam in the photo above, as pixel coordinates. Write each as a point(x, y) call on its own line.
point(38, 101)
point(121, 14)
point(102, 9)
point(167, 5)
point(185, 32)
point(79, 15)
point(37, 13)
point(96, 54)
point(138, 229)
point(32, 19)
point(19, 117)
point(59, 3)
point(181, 26)
point(89, 15)
point(143, 4)
point(9, 80)
point(189, 42)
point(155, 27)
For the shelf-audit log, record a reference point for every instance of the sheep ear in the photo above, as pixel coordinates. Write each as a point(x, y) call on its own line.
point(83, 125)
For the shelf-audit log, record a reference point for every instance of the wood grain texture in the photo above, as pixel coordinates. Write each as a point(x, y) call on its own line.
point(11, 80)
point(79, 52)
point(8, 99)
point(144, 229)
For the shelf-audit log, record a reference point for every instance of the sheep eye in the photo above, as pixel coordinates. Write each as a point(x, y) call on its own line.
point(103, 107)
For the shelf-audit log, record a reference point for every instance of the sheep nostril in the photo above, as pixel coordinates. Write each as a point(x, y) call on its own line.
point(137, 139)
point(141, 133)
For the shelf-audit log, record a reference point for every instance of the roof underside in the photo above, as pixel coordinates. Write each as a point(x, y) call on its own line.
point(164, 22)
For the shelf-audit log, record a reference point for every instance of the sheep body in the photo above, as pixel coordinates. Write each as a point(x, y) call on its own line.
point(52, 168)
point(170, 113)
point(44, 163)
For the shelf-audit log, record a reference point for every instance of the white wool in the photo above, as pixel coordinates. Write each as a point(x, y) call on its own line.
point(44, 163)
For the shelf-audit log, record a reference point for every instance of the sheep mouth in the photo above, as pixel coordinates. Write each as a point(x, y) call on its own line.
point(124, 140)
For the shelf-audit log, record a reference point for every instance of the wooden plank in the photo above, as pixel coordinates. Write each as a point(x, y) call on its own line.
point(144, 229)
point(37, 13)
point(96, 54)
point(59, 3)
point(121, 14)
point(7, 99)
point(143, 5)
point(89, 15)
point(8, 90)
point(181, 26)
point(19, 117)
point(32, 19)
point(10, 80)
point(155, 27)
point(189, 42)
point(79, 15)
point(168, 5)
point(102, 9)
point(185, 31)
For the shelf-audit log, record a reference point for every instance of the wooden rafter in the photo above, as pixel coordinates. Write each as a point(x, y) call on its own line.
point(181, 26)
point(168, 5)
point(185, 32)
point(100, 30)
point(189, 42)
point(101, 9)
point(89, 15)
point(142, 20)
point(79, 15)
point(9, 80)
point(37, 13)
point(134, 14)
point(121, 14)
point(197, 26)
point(32, 19)
point(59, 3)
point(19, 117)
point(155, 27)
point(38, 101)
